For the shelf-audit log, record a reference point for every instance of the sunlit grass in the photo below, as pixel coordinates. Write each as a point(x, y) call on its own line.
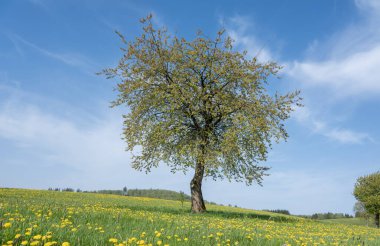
point(350, 221)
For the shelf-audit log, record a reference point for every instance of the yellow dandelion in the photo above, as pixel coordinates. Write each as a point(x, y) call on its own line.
point(141, 242)
point(7, 225)
point(112, 240)
point(37, 237)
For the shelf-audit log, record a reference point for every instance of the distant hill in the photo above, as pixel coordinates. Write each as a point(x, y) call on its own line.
point(152, 193)
point(158, 193)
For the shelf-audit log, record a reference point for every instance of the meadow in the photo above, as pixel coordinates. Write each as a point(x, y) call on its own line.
point(35, 217)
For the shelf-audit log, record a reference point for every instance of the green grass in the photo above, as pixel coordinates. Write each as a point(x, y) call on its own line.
point(350, 221)
point(48, 218)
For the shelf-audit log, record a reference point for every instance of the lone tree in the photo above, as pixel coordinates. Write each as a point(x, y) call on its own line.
point(198, 104)
point(367, 191)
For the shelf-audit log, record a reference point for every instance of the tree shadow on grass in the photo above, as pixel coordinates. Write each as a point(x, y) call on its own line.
point(249, 215)
point(213, 213)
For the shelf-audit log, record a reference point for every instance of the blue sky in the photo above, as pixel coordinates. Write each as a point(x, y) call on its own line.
point(57, 130)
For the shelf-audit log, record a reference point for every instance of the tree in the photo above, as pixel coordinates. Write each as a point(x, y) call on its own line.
point(367, 191)
point(182, 197)
point(198, 104)
point(360, 211)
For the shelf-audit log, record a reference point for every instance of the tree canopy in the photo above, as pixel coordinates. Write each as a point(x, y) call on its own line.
point(198, 104)
point(367, 191)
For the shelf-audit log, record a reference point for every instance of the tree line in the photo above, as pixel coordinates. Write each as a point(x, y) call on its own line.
point(152, 193)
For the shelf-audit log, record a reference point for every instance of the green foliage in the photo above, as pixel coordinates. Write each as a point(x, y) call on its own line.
point(278, 211)
point(360, 211)
point(182, 197)
point(367, 191)
point(158, 193)
point(113, 192)
point(198, 101)
point(329, 215)
point(68, 190)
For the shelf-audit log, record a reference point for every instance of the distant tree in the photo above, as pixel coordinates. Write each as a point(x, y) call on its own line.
point(367, 191)
point(182, 197)
point(79, 190)
point(329, 215)
point(125, 190)
point(359, 209)
point(279, 211)
point(198, 104)
point(314, 216)
point(113, 192)
point(68, 189)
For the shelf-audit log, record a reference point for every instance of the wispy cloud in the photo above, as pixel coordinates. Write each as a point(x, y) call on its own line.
point(237, 28)
point(347, 136)
point(317, 126)
point(352, 57)
point(372, 5)
point(41, 4)
point(71, 59)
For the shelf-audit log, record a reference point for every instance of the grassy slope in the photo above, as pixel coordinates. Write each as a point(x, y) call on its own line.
point(94, 219)
point(350, 221)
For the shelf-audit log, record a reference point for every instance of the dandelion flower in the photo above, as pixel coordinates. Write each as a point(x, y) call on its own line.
point(7, 225)
point(112, 240)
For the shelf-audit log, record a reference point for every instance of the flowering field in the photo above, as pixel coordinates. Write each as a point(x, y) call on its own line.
point(32, 217)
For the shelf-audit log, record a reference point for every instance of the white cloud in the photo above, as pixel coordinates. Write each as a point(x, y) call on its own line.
point(368, 4)
point(352, 57)
point(237, 28)
point(42, 149)
point(345, 136)
point(357, 73)
point(72, 59)
point(84, 147)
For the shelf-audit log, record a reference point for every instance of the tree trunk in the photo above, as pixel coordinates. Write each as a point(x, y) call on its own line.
point(377, 218)
point(197, 203)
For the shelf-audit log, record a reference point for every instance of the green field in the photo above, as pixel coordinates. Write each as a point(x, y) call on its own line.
point(350, 221)
point(32, 217)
